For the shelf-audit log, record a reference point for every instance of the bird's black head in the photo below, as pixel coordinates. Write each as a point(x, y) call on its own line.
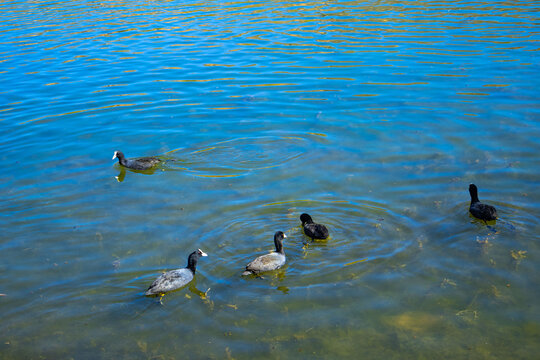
point(473, 190)
point(305, 218)
point(194, 257)
point(278, 241)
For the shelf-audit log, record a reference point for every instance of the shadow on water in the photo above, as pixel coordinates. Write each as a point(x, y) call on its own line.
point(493, 225)
point(143, 303)
point(123, 170)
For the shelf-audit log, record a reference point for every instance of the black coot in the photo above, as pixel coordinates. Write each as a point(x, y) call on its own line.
point(481, 211)
point(143, 163)
point(314, 231)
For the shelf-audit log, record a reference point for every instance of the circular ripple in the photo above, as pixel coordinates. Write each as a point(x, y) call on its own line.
point(354, 247)
point(239, 156)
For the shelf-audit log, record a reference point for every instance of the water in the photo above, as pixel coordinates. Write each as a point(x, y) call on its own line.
point(371, 116)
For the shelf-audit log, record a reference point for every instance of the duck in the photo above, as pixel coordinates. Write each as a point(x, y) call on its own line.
point(175, 279)
point(143, 163)
point(268, 262)
point(479, 210)
point(313, 230)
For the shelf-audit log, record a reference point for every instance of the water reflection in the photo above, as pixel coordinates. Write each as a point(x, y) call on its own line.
point(122, 174)
point(274, 278)
point(140, 307)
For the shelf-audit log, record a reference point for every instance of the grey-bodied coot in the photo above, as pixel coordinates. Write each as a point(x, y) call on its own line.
point(479, 210)
point(175, 279)
point(271, 261)
point(314, 231)
point(143, 163)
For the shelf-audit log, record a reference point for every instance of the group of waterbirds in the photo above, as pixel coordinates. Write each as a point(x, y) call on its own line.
point(175, 279)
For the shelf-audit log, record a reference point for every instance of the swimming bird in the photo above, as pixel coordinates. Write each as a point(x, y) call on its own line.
point(143, 163)
point(481, 211)
point(175, 279)
point(314, 231)
point(271, 261)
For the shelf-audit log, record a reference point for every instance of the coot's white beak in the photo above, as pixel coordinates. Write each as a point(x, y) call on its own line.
point(284, 235)
point(114, 156)
point(202, 253)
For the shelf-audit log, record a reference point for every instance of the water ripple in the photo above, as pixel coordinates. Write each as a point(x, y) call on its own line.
point(372, 116)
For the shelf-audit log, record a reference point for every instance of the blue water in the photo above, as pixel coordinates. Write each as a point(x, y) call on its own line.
point(373, 117)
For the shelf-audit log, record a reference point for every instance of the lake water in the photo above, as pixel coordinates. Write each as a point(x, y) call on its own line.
point(373, 117)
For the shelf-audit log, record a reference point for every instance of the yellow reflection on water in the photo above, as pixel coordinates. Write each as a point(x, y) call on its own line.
point(355, 262)
point(218, 176)
point(337, 78)
point(268, 85)
point(192, 80)
point(204, 150)
point(473, 94)
point(309, 91)
point(75, 112)
point(222, 65)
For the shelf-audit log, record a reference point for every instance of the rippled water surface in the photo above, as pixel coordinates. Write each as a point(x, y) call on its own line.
point(373, 117)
